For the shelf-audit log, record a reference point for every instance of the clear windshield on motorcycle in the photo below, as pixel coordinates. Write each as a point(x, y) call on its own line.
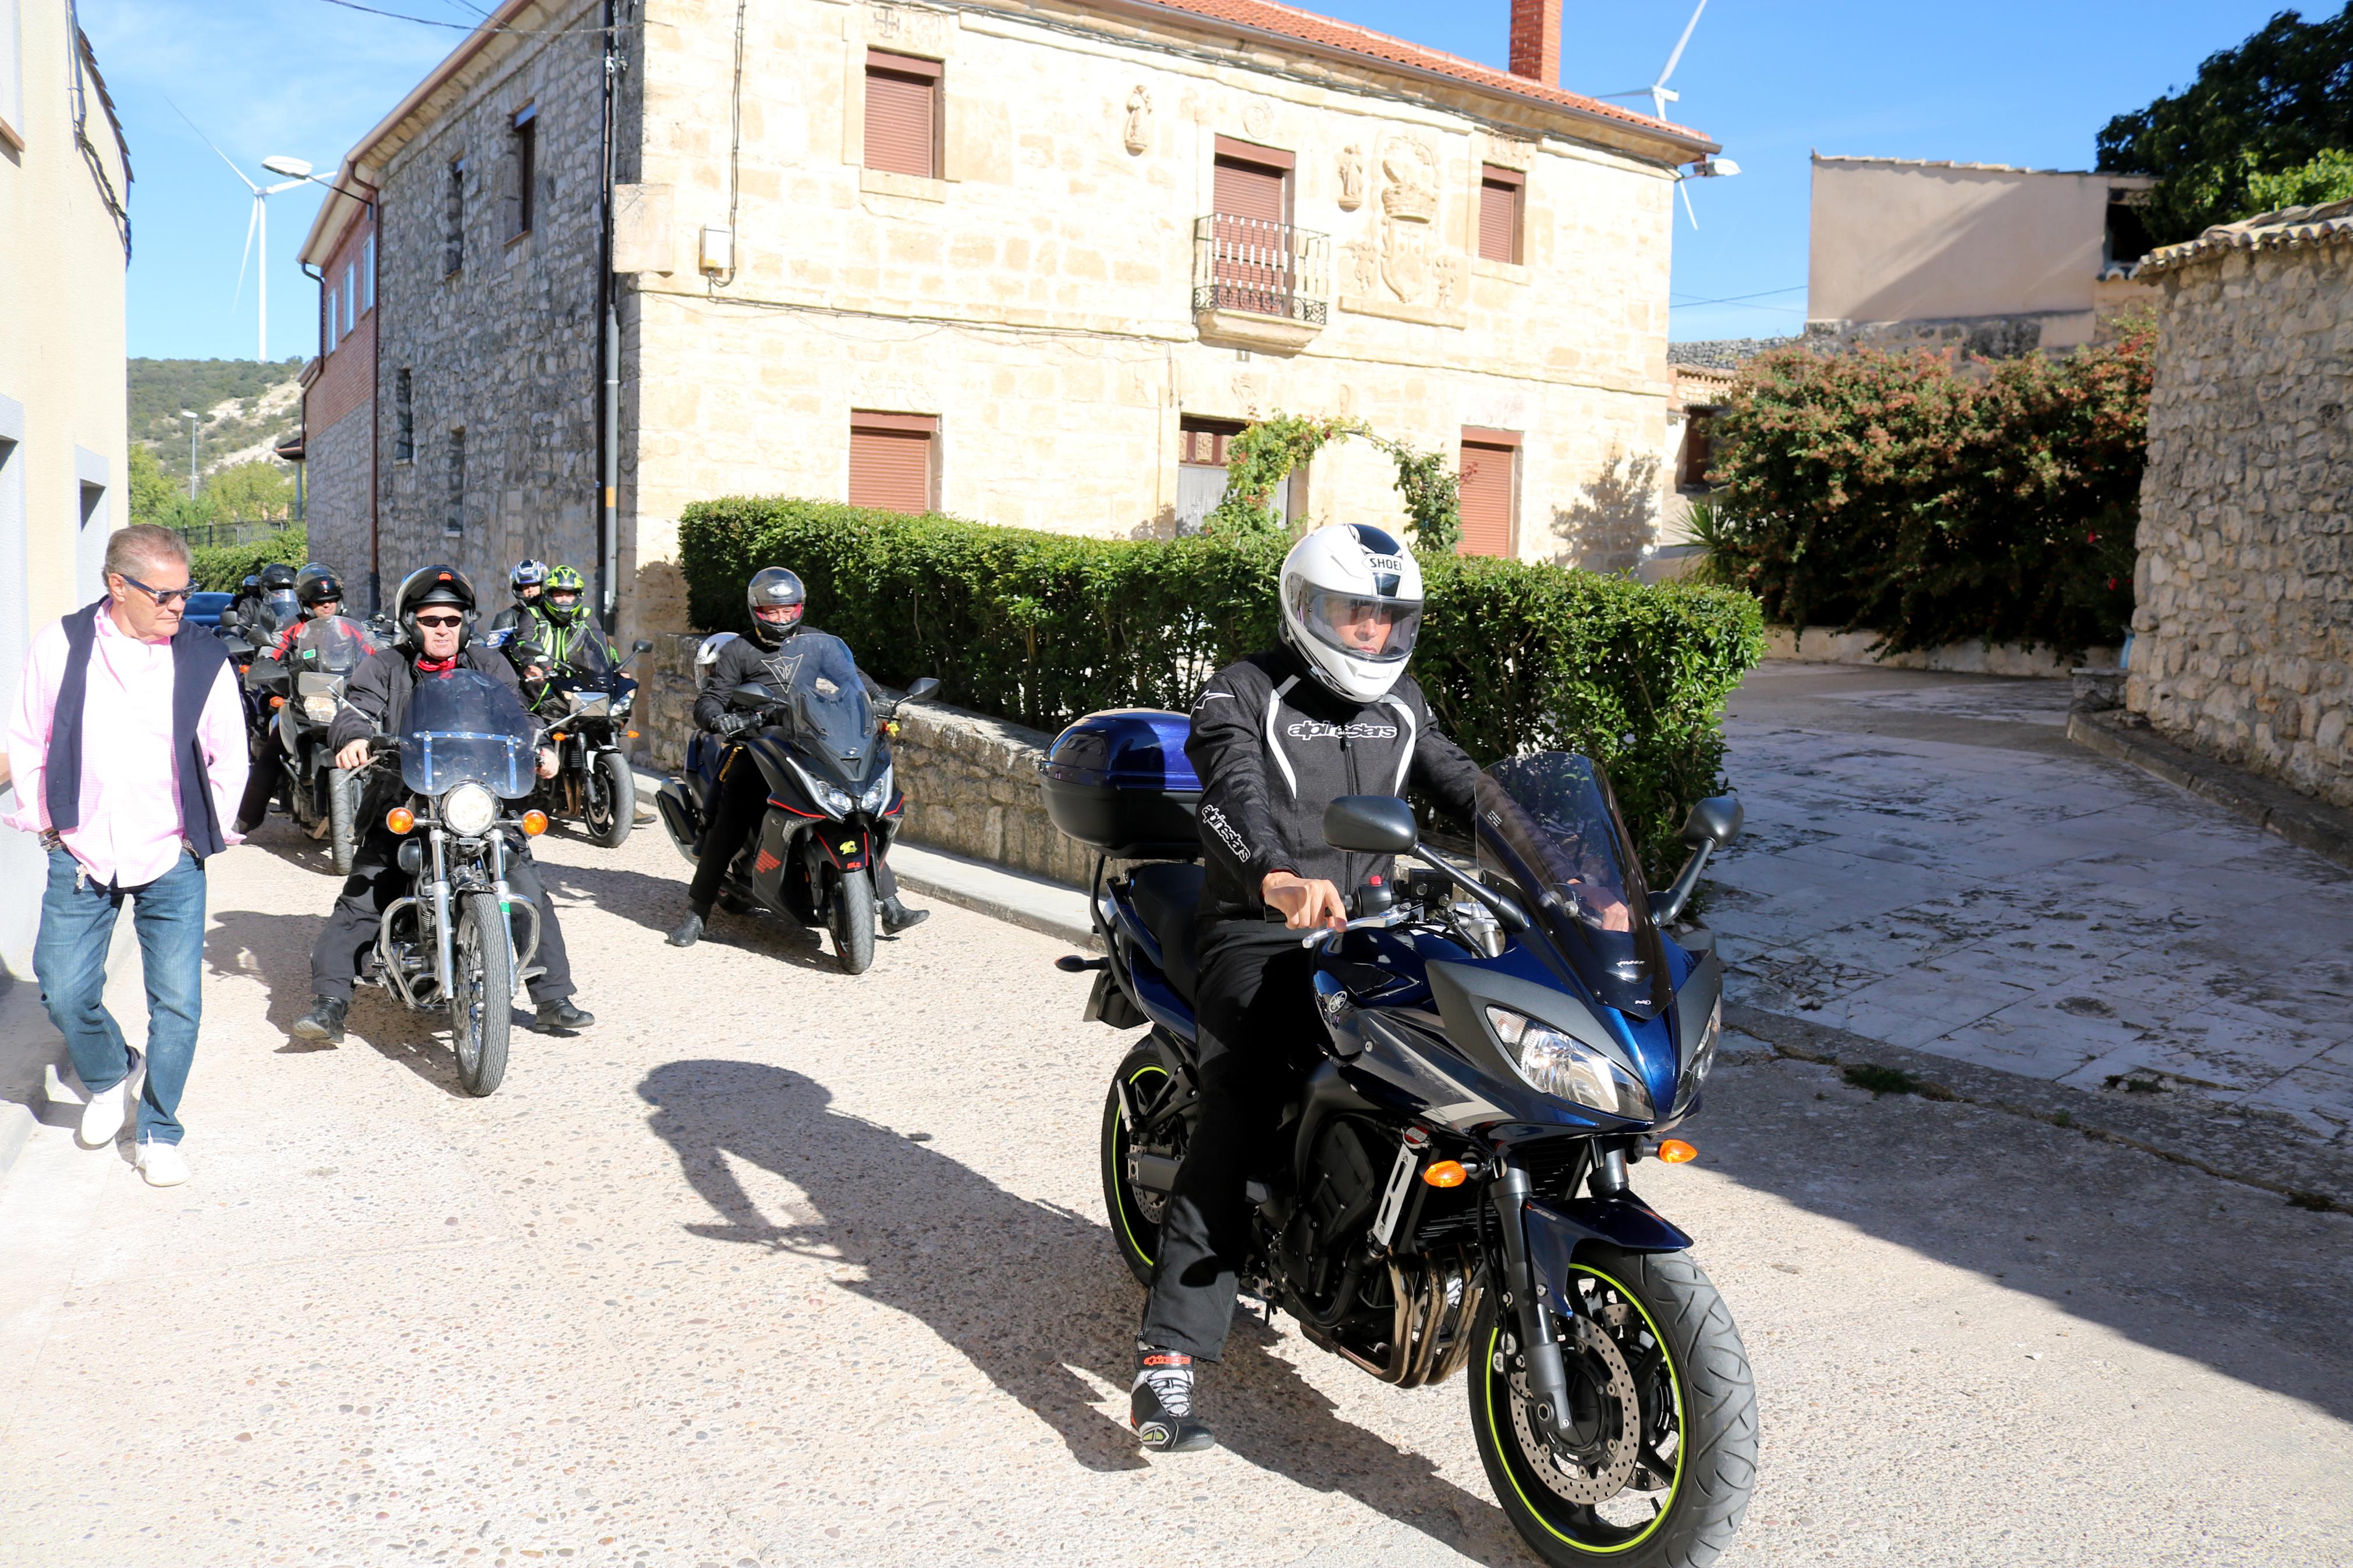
point(333, 645)
point(1549, 822)
point(465, 728)
point(281, 610)
point(818, 677)
point(587, 658)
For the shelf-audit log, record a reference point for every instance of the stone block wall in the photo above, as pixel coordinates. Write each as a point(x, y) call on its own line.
point(336, 479)
point(2243, 635)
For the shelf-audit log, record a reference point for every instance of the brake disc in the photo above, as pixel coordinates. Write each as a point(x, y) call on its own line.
point(1602, 1474)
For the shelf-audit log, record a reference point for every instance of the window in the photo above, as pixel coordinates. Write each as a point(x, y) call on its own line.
point(526, 170)
point(453, 218)
point(403, 419)
point(1489, 467)
point(334, 303)
point(903, 114)
point(351, 297)
point(1251, 265)
point(367, 276)
point(1699, 449)
point(12, 77)
point(1201, 453)
point(893, 463)
point(1502, 196)
point(453, 521)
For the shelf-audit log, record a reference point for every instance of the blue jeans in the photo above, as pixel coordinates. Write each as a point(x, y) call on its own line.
point(78, 918)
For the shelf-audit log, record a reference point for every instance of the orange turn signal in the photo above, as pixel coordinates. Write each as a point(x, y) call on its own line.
point(535, 822)
point(400, 819)
point(1446, 1174)
point(1675, 1152)
point(557, 737)
point(278, 702)
point(631, 733)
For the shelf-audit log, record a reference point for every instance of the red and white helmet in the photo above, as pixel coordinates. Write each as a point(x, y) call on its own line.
point(1351, 607)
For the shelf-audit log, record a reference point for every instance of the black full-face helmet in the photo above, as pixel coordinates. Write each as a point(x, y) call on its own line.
point(432, 585)
point(277, 577)
point(317, 586)
point(775, 590)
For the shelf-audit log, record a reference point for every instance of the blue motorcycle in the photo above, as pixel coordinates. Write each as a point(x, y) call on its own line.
point(1506, 1042)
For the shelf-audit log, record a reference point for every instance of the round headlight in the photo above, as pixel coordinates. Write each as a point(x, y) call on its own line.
point(469, 810)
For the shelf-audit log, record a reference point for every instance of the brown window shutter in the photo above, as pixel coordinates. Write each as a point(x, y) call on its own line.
point(1254, 191)
point(903, 101)
point(1699, 447)
point(1500, 193)
point(1486, 497)
point(891, 461)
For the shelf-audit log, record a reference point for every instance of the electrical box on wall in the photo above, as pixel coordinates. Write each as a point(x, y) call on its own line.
point(718, 249)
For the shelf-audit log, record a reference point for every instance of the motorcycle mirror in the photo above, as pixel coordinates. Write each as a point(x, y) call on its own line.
point(1370, 824)
point(749, 696)
point(641, 645)
point(922, 688)
point(1715, 820)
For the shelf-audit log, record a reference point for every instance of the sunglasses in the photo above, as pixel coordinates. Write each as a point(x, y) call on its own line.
point(440, 621)
point(160, 596)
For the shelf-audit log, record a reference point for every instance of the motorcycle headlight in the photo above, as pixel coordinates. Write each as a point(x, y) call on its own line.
point(320, 707)
point(1557, 1064)
point(878, 795)
point(469, 810)
point(838, 802)
point(1703, 1059)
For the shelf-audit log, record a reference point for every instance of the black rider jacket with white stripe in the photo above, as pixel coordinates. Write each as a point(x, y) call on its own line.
point(1273, 747)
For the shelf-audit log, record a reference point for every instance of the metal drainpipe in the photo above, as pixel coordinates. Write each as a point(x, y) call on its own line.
point(375, 403)
point(608, 347)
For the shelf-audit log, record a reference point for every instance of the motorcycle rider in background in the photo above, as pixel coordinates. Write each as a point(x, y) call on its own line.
point(565, 621)
point(528, 580)
point(435, 609)
point(1277, 737)
point(777, 600)
point(250, 609)
point(321, 594)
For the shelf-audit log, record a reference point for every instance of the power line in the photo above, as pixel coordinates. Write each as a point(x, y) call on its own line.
point(458, 27)
point(1736, 298)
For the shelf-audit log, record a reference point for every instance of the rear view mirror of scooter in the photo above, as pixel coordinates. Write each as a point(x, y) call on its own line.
point(750, 698)
point(1370, 824)
point(922, 688)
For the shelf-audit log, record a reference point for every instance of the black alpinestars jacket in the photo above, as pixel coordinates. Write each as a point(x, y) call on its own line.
point(1273, 748)
point(745, 662)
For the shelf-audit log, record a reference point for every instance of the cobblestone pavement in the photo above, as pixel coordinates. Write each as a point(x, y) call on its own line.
point(779, 1267)
point(1930, 863)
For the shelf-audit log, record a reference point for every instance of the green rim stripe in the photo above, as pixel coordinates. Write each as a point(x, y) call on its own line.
point(1127, 1229)
point(1683, 1446)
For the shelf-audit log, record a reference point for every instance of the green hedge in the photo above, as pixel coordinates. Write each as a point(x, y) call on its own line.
point(1937, 503)
point(221, 567)
point(1041, 627)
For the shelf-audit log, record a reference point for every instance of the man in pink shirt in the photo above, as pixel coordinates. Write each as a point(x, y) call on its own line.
point(128, 749)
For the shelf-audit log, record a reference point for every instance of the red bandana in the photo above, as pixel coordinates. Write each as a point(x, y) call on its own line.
point(436, 666)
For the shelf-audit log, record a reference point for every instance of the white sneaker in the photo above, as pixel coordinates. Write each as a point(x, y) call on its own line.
point(103, 1117)
point(162, 1164)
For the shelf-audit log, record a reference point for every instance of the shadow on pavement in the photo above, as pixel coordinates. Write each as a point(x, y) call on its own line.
point(1024, 1290)
point(658, 904)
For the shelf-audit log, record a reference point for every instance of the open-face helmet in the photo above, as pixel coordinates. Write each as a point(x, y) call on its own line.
point(565, 600)
point(1351, 607)
point(526, 575)
point(779, 593)
point(432, 585)
point(317, 586)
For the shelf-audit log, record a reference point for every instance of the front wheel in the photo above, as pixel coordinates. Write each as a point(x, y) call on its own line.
point(482, 992)
point(609, 801)
point(342, 817)
point(1660, 1449)
point(853, 922)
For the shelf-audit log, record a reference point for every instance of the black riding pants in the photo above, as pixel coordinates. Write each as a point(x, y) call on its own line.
point(376, 884)
point(1259, 1024)
point(742, 801)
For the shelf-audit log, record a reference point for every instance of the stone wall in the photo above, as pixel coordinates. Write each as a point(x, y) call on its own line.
point(335, 478)
point(2244, 633)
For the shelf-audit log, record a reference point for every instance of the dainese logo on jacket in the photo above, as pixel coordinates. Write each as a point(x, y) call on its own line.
point(1317, 730)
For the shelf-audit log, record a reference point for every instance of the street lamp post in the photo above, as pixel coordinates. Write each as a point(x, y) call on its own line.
point(190, 416)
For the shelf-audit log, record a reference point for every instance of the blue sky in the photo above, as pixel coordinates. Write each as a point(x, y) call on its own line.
point(1997, 81)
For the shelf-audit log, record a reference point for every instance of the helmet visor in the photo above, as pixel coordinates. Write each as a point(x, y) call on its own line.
point(1368, 626)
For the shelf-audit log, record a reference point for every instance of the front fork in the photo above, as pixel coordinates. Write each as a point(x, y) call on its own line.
point(1538, 1354)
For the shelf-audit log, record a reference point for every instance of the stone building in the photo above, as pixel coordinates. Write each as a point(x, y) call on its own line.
point(2243, 637)
point(65, 243)
point(1027, 261)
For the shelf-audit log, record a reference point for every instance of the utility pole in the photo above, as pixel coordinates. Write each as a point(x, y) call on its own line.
point(190, 416)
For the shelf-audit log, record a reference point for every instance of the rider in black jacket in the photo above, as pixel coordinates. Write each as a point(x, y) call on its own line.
point(777, 599)
point(1277, 737)
point(435, 609)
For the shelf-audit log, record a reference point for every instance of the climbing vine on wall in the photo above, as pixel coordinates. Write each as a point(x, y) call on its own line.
point(1261, 457)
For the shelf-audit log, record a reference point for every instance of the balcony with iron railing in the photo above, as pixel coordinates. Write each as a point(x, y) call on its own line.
point(1259, 285)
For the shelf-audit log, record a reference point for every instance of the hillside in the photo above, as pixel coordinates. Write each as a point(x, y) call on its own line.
point(246, 408)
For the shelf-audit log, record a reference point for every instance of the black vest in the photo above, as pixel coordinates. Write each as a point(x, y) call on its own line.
point(196, 660)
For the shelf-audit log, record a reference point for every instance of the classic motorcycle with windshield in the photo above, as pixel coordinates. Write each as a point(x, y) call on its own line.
point(586, 700)
point(1506, 1043)
point(823, 748)
point(467, 755)
point(304, 692)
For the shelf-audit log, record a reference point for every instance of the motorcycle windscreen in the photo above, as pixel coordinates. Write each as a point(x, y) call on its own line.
point(465, 728)
point(281, 608)
point(830, 710)
point(586, 656)
point(333, 645)
point(1550, 823)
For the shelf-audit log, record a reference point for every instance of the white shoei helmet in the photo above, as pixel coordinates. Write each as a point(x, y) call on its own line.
point(1351, 605)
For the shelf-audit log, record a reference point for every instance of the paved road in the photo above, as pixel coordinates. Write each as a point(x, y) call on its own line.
point(778, 1266)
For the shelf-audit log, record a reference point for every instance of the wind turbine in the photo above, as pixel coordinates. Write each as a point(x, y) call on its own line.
point(256, 227)
point(1661, 95)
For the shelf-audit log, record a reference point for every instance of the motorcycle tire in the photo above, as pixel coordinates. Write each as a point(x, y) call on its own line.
point(853, 919)
point(481, 998)
point(342, 817)
point(609, 801)
point(1673, 1363)
point(1135, 1214)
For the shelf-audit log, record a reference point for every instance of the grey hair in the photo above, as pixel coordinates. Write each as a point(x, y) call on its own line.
point(145, 546)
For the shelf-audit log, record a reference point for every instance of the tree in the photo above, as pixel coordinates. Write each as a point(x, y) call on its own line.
point(2281, 101)
point(152, 489)
point(248, 492)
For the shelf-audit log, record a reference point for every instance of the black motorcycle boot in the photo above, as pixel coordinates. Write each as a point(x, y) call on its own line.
point(560, 1017)
point(324, 1021)
point(897, 917)
point(1160, 1408)
point(687, 932)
